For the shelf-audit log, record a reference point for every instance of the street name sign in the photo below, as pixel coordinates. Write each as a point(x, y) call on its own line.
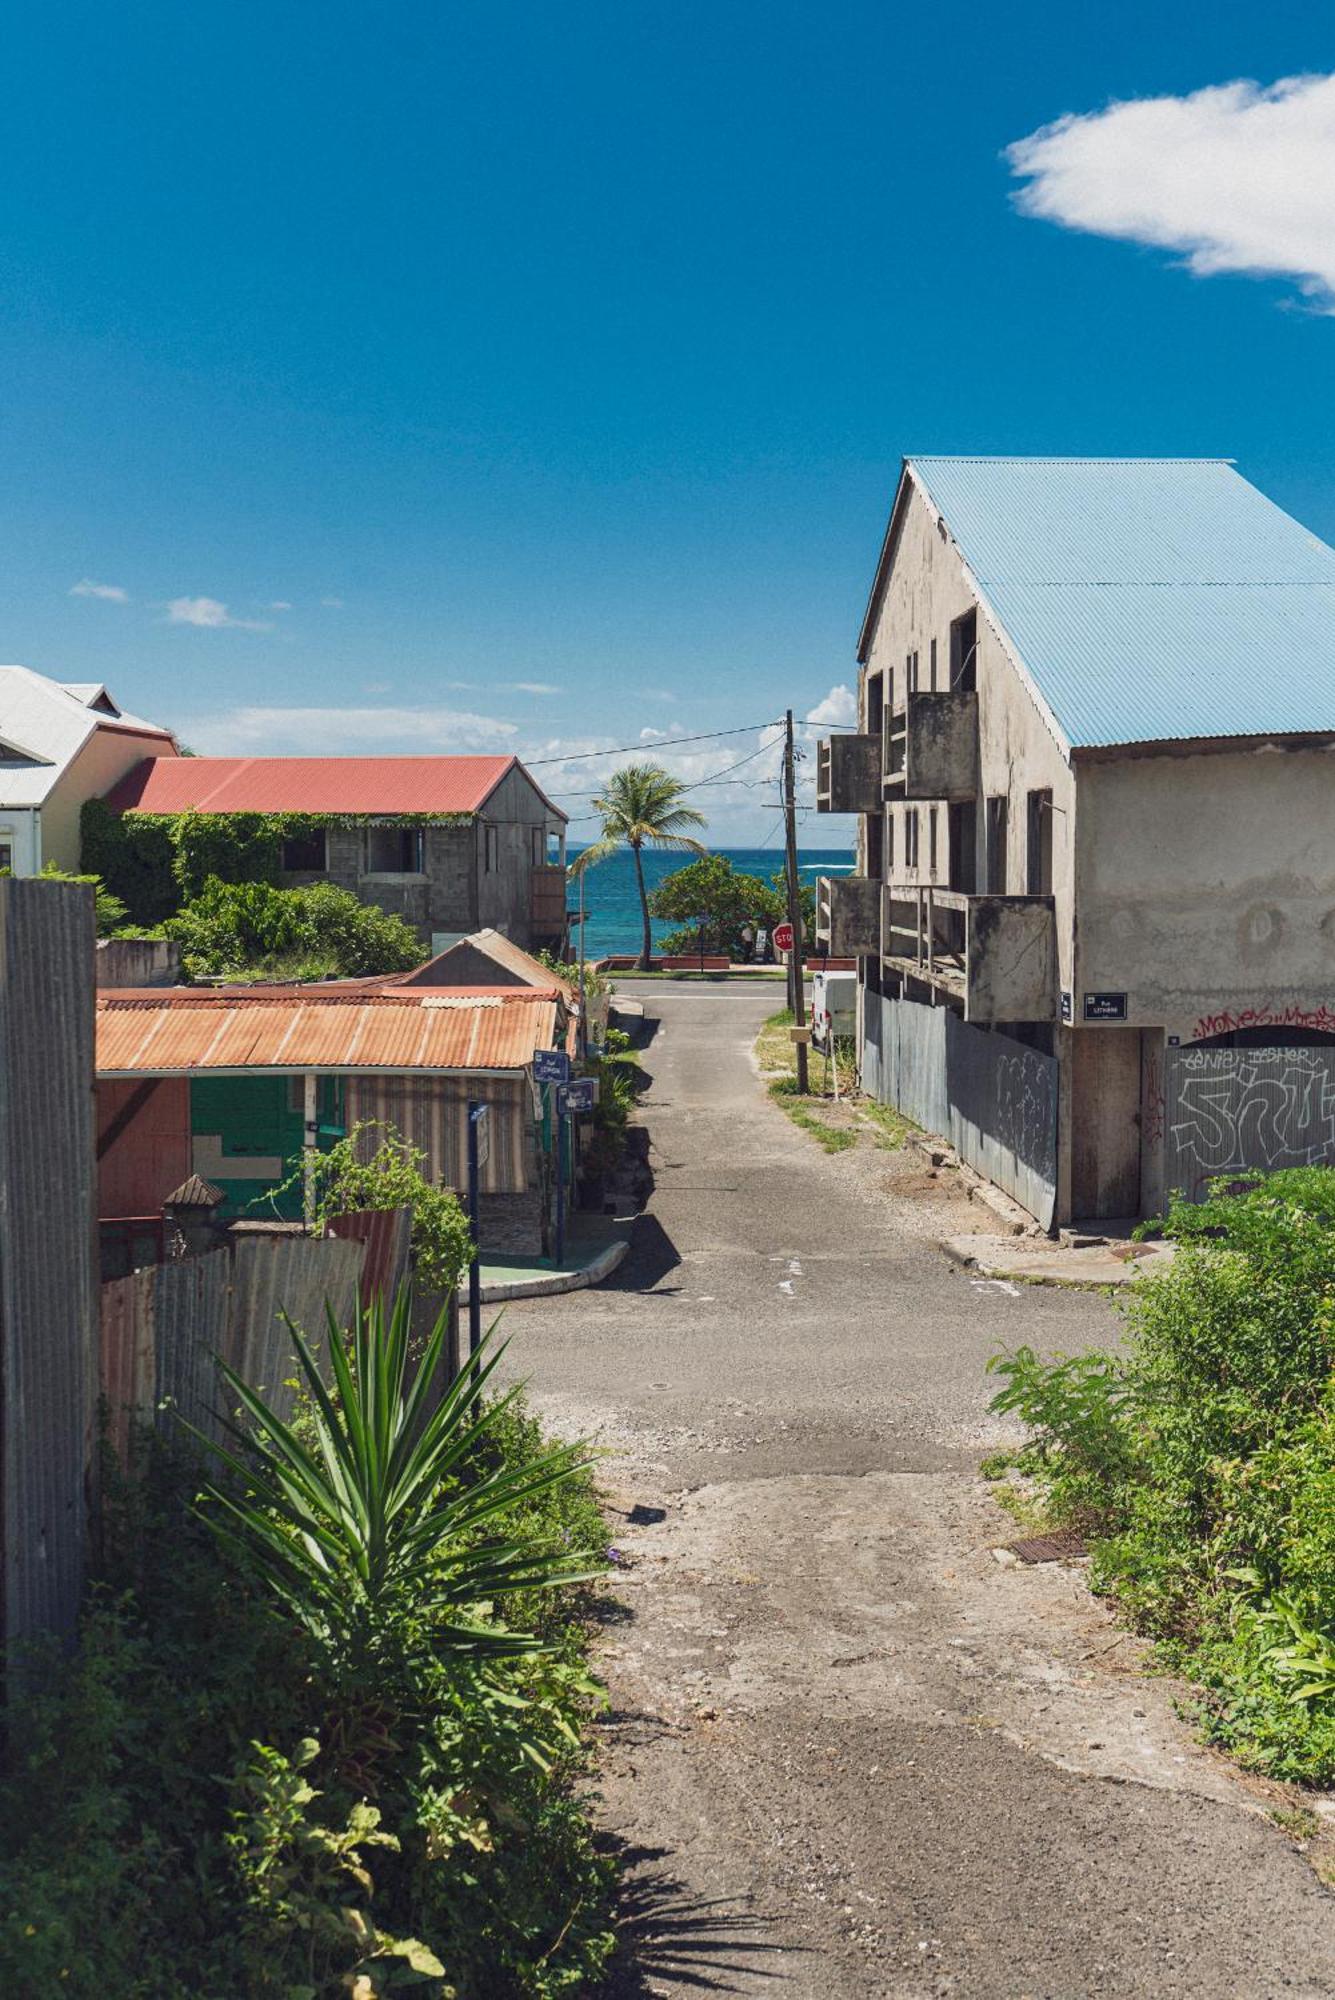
point(551, 1066)
point(581, 1095)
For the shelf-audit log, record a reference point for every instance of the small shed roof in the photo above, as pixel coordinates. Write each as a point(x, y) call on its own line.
point(380, 785)
point(486, 944)
point(1148, 599)
point(178, 1030)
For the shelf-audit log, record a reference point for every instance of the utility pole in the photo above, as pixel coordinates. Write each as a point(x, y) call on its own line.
point(795, 973)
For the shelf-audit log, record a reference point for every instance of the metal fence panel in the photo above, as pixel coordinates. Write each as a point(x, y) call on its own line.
point(48, 1281)
point(1230, 1111)
point(994, 1099)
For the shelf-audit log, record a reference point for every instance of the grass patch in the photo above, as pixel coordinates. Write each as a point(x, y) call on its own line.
point(892, 1128)
point(834, 1138)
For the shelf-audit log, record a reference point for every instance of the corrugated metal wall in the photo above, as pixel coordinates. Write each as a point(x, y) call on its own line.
point(994, 1099)
point(432, 1113)
point(1229, 1111)
point(162, 1328)
point(48, 1279)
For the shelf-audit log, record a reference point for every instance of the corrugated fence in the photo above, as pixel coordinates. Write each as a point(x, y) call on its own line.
point(163, 1327)
point(993, 1098)
point(48, 1281)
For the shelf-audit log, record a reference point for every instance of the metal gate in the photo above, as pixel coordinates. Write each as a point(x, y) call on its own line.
point(1233, 1110)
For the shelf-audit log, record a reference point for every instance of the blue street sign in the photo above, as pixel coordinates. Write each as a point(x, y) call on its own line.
point(581, 1095)
point(551, 1066)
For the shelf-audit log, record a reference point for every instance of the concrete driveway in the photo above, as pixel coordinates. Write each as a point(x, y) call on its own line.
point(849, 1753)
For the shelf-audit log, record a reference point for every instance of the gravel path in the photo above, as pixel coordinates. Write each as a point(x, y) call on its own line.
point(849, 1754)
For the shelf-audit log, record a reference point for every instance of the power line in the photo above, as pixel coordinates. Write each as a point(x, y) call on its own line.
point(647, 749)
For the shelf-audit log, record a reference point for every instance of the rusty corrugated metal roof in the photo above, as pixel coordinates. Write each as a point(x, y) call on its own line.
point(388, 785)
point(176, 1031)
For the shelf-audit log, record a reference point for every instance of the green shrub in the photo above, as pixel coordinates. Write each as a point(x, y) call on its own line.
point(192, 1807)
point(1202, 1460)
point(236, 928)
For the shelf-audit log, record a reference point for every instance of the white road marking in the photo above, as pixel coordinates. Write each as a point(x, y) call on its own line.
point(795, 1267)
point(786, 1285)
point(996, 1285)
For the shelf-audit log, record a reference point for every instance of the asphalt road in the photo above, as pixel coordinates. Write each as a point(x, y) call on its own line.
point(848, 1752)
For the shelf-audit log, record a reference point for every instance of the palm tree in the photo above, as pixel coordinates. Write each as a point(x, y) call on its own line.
point(641, 806)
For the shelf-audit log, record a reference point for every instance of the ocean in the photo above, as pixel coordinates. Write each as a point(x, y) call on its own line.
point(612, 903)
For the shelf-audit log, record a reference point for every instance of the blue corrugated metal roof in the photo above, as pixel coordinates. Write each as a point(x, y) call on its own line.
point(1149, 599)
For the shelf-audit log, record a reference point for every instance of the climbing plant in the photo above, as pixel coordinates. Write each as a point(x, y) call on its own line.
point(155, 862)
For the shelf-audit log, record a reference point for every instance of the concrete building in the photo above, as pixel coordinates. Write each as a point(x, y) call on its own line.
point(61, 743)
point(452, 844)
point(1095, 768)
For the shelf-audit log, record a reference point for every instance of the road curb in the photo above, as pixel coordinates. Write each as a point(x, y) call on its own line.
point(546, 1284)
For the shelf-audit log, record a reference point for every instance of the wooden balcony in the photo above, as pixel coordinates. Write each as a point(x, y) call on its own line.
point(848, 774)
point(930, 747)
point(848, 916)
point(998, 954)
point(547, 901)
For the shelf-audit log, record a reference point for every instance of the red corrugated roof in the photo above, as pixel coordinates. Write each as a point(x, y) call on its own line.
point(175, 1031)
point(386, 785)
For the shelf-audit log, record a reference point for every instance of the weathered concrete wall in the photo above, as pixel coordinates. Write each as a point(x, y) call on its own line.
point(941, 760)
point(849, 777)
point(1206, 887)
point(1011, 961)
point(848, 915)
point(1018, 751)
point(442, 897)
point(138, 962)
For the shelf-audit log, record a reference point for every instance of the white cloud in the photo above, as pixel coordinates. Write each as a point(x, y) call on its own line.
point(210, 614)
point(840, 705)
point(318, 732)
point(1238, 177)
point(332, 603)
point(531, 687)
point(112, 592)
point(279, 604)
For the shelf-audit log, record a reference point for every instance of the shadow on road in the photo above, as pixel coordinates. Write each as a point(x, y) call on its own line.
point(652, 1256)
point(667, 1932)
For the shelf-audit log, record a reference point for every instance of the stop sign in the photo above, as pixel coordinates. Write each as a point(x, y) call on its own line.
point(783, 937)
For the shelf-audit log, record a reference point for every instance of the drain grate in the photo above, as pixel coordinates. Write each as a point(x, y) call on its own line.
point(1067, 1542)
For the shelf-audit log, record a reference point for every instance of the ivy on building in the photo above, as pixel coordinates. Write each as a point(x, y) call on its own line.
point(156, 862)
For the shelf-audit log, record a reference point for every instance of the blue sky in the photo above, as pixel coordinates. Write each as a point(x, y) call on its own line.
point(394, 365)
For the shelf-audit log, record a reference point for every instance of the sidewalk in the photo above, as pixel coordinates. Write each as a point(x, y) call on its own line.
point(1032, 1260)
point(594, 1248)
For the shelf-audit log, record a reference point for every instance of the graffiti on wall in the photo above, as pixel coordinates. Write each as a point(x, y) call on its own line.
point(1026, 1108)
point(1239, 1110)
point(1322, 1019)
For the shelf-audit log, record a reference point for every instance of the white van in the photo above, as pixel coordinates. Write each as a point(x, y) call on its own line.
point(834, 1003)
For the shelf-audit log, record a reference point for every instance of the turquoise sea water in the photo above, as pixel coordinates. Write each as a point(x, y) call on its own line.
point(612, 903)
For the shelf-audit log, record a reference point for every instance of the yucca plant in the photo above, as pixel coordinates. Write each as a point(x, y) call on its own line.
point(364, 1519)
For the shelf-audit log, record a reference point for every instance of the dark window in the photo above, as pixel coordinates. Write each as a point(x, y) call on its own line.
point(305, 853)
point(932, 682)
point(875, 703)
point(996, 846)
point(889, 846)
point(6, 858)
point(394, 850)
point(964, 652)
point(963, 824)
point(1038, 870)
point(931, 840)
point(911, 838)
point(491, 848)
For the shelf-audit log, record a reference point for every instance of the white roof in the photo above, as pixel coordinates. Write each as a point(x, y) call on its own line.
point(44, 724)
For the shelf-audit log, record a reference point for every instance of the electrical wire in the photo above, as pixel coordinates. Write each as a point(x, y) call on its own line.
point(667, 743)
